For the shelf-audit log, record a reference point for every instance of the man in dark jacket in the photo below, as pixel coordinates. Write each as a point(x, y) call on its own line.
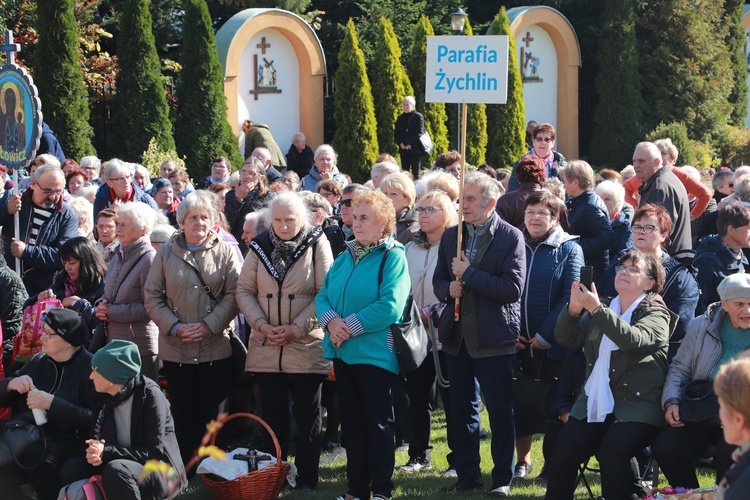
point(719, 256)
point(45, 224)
point(221, 170)
point(409, 127)
point(662, 187)
point(480, 346)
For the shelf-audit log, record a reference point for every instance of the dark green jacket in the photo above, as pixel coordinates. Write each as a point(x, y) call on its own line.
point(637, 369)
point(12, 297)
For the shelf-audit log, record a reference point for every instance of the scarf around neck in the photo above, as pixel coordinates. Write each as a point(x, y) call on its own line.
point(105, 427)
point(283, 250)
point(535, 242)
point(360, 251)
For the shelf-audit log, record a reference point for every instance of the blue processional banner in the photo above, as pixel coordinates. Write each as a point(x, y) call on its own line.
point(20, 111)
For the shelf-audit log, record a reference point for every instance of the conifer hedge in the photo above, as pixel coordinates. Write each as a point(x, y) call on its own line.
point(140, 110)
point(201, 131)
point(59, 79)
point(506, 123)
point(355, 140)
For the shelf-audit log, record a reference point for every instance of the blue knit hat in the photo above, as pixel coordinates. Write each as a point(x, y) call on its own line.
point(158, 184)
point(119, 361)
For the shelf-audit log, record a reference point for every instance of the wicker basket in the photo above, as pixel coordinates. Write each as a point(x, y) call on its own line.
point(263, 484)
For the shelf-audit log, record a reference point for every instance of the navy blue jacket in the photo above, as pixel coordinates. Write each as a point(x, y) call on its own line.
point(680, 294)
point(550, 271)
point(623, 233)
point(589, 219)
point(40, 261)
point(48, 143)
point(496, 284)
point(104, 198)
point(712, 264)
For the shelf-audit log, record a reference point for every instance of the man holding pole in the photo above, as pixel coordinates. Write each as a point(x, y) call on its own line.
point(43, 222)
point(479, 336)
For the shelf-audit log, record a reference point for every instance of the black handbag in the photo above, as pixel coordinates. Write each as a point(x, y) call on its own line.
point(700, 405)
point(532, 393)
point(18, 435)
point(409, 334)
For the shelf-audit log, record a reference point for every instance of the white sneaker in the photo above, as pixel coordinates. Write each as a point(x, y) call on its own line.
point(416, 465)
point(450, 472)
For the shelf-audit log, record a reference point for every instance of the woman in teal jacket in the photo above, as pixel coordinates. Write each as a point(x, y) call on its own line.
point(356, 318)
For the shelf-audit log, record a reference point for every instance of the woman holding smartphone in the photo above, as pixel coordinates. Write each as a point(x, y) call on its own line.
point(251, 195)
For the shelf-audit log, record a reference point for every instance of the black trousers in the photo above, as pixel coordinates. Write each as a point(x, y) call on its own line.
point(675, 448)
point(195, 393)
point(365, 397)
point(119, 478)
point(411, 161)
point(614, 444)
point(421, 384)
point(274, 395)
point(445, 395)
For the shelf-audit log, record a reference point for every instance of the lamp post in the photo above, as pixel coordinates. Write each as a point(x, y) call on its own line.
point(458, 21)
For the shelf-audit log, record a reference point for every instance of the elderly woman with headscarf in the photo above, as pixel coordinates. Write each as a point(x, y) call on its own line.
point(132, 426)
point(189, 293)
point(121, 308)
point(276, 292)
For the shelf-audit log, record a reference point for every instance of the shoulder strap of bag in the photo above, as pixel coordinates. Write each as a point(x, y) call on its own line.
point(117, 289)
point(203, 284)
point(262, 253)
point(382, 267)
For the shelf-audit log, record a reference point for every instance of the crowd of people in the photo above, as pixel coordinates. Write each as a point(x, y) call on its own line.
point(586, 306)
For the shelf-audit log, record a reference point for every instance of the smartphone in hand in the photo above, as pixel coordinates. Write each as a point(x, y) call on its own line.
point(587, 276)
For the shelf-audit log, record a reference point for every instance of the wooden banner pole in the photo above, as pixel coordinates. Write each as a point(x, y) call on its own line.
point(462, 141)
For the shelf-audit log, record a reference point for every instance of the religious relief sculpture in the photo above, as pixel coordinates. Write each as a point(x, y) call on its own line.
point(265, 79)
point(529, 62)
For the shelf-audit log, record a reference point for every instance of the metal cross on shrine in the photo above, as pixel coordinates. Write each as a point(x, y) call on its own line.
point(10, 48)
point(263, 45)
point(527, 39)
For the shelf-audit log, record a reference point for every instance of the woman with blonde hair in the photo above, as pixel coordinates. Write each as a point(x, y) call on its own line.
point(436, 213)
point(400, 189)
point(732, 385)
point(356, 309)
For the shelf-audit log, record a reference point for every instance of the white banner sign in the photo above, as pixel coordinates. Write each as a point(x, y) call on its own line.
point(470, 69)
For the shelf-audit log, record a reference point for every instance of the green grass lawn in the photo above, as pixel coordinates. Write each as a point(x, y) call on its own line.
point(427, 484)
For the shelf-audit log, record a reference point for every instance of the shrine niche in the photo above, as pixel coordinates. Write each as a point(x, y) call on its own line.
point(549, 58)
point(274, 73)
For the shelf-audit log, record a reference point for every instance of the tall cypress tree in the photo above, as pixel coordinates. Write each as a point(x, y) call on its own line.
point(202, 131)
point(734, 35)
point(476, 126)
point(685, 67)
point(355, 140)
point(140, 109)
point(618, 114)
point(58, 76)
point(434, 112)
point(506, 122)
point(389, 77)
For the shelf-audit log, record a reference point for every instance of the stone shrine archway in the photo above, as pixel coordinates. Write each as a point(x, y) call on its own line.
point(297, 104)
point(560, 45)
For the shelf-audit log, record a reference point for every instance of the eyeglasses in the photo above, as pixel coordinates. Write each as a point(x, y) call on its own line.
point(218, 166)
point(532, 214)
point(731, 185)
point(249, 173)
point(125, 178)
point(427, 210)
point(637, 228)
point(47, 192)
point(544, 139)
point(627, 269)
point(346, 203)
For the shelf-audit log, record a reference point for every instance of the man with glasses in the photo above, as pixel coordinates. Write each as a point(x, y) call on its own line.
point(45, 224)
point(544, 147)
point(221, 170)
point(118, 188)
